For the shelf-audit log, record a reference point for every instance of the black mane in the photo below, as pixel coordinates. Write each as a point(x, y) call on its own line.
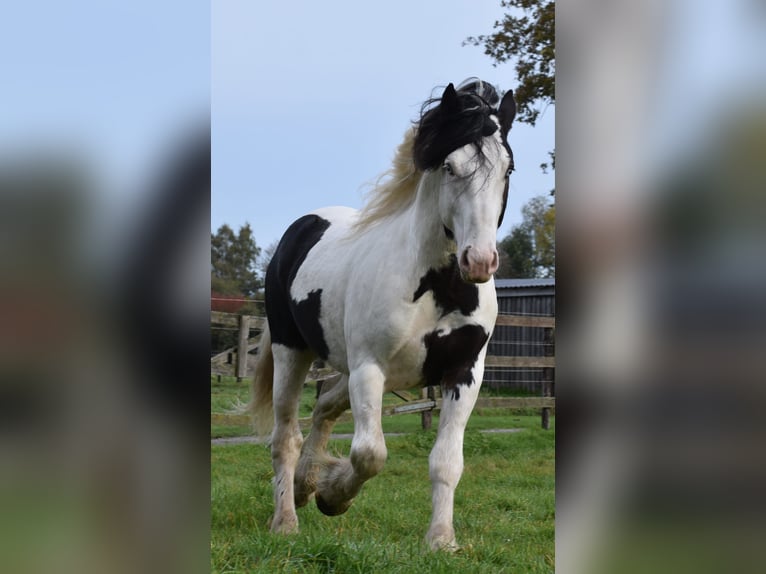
point(458, 118)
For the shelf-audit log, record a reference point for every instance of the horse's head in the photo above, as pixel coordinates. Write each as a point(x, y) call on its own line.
point(462, 141)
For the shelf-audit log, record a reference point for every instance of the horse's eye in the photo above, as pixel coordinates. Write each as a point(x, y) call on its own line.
point(448, 168)
point(508, 173)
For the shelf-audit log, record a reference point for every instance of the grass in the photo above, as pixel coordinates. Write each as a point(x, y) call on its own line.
point(504, 505)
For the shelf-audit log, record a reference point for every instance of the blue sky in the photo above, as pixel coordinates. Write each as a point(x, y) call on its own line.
point(310, 100)
point(112, 85)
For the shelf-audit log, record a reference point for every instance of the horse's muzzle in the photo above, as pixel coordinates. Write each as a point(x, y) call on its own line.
point(477, 265)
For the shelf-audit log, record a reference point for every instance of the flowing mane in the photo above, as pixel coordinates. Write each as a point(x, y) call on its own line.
point(441, 129)
point(395, 189)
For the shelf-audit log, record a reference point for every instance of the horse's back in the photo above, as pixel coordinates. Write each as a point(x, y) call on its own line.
point(294, 319)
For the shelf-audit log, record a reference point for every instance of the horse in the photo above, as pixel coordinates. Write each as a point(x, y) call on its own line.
point(397, 295)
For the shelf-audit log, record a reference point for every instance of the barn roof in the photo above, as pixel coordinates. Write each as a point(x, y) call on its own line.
point(524, 283)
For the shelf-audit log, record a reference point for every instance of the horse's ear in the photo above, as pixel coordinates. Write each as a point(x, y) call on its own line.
point(449, 101)
point(506, 112)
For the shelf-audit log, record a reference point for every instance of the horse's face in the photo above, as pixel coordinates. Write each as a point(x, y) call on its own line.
point(472, 197)
point(462, 141)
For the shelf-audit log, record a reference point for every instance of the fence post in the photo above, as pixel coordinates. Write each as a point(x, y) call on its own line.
point(548, 351)
point(426, 416)
point(244, 333)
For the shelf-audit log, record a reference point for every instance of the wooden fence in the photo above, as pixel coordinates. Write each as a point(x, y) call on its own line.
point(428, 401)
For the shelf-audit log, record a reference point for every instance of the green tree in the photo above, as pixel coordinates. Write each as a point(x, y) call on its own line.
point(530, 249)
point(516, 255)
point(525, 35)
point(233, 261)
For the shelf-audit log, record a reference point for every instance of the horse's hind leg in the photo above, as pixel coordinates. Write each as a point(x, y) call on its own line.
point(290, 369)
point(330, 405)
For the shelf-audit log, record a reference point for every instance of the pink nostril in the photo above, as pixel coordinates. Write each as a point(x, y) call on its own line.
point(495, 263)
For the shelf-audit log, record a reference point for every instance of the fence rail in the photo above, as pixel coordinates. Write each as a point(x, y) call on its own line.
point(525, 321)
point(427, 404)
point(414, 407)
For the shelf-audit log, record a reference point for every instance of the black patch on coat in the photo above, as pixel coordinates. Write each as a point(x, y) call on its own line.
point(451, 357)
point(306, 315)
point(451, 293)
point(292, 323)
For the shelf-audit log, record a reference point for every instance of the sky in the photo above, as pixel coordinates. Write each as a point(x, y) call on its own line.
point(310, 100)
point(113, 86)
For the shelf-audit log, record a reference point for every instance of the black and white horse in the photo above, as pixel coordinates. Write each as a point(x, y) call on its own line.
point(395, 296)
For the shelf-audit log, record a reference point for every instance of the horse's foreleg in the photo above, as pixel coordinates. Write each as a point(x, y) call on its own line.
point(446, 459)
point(290, 368)
point(341, 480)
point(330, 405)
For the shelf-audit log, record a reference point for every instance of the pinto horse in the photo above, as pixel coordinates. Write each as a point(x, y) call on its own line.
point(395, 296)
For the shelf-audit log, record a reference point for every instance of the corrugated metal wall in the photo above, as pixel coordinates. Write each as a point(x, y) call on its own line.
point(520, 341)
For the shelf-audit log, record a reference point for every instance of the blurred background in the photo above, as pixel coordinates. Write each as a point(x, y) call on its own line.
point(661, 141)
point(105, 255)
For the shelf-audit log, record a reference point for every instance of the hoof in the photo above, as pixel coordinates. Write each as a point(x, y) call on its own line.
point(442, 539)
point(329, 510)
point(284, 526)
point(449, 546)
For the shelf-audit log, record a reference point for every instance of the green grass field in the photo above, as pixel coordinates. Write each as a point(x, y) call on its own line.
point(504, 505)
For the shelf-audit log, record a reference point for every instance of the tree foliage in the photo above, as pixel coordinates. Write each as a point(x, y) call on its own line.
point(233, 261)
point(529, 250)
point(516, 255)
point(526, 35)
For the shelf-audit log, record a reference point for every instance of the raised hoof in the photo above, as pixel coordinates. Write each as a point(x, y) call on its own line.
point(329, 510)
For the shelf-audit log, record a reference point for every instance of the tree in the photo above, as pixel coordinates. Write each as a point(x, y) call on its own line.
point(526, 35)
point(516, 255)
point(233, 261)
point(530, 249)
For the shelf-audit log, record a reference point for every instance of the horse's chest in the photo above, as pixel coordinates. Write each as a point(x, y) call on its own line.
point(440, 351)
point(445, 336)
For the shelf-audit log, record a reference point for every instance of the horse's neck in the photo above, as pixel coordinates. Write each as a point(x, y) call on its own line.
point(415, 237)
point(429, 244)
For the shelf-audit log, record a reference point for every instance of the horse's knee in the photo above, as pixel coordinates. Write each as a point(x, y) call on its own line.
point(285, 448)
point(445, 465)
point(369, 459)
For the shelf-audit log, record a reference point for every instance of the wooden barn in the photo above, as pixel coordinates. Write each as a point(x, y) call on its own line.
point(528, 298)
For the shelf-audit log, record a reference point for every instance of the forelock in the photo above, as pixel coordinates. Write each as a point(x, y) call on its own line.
point(440, 131)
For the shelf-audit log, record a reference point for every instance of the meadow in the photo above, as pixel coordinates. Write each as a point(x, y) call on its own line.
point(504, 504)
